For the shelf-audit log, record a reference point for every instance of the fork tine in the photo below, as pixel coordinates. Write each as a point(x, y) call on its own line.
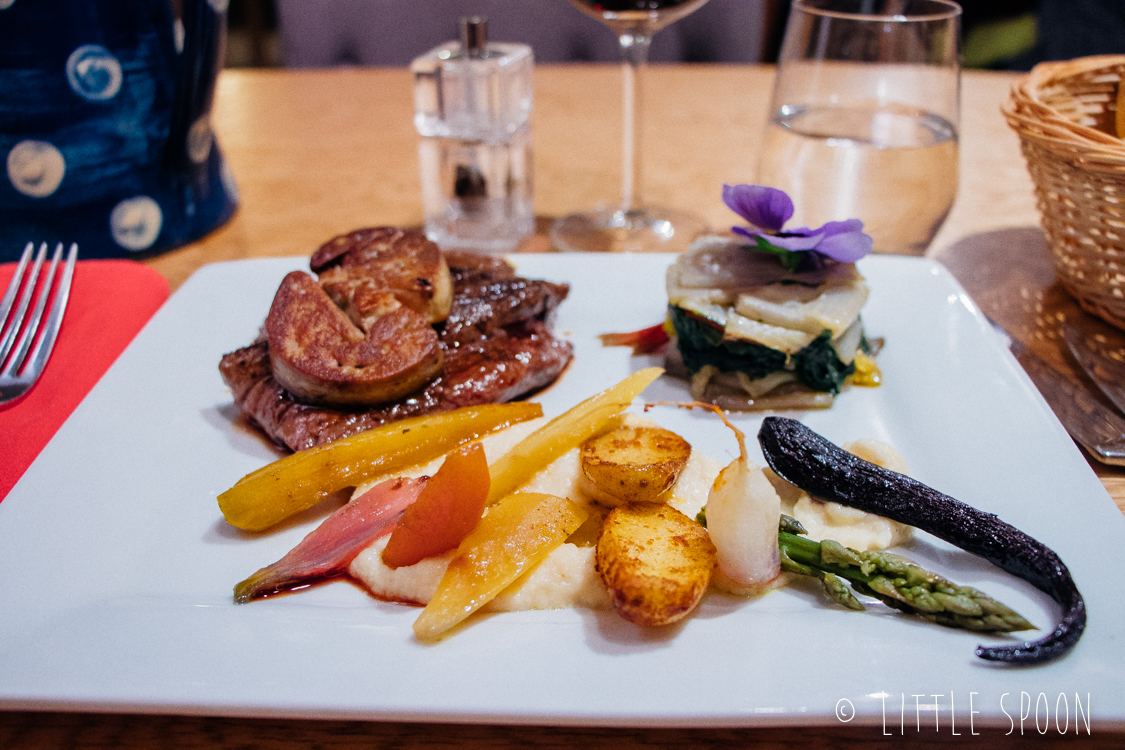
point(15, 364)
point(14, 284)
point(42, 351)
point(16, 320)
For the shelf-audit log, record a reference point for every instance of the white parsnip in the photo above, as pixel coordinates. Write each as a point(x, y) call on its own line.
point(743, 511)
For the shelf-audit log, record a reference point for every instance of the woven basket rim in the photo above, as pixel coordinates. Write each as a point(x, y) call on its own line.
point(1064, 145)
point(1025, 107)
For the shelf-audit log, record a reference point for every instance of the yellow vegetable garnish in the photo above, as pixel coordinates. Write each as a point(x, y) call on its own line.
point(566, 431)
point(1120, 118)
point(867, 373)
point(514, 535)
point(275, 492)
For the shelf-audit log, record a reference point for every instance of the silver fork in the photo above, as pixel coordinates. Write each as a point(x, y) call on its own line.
point(1107, 372)
point(23, 355)
point(1099, 429)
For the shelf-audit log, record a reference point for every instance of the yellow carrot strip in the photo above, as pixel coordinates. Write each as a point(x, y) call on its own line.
point(513, 537)
point(275, 492)
point(566, 431)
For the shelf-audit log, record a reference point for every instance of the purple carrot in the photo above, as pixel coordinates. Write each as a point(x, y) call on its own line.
point(825, 471)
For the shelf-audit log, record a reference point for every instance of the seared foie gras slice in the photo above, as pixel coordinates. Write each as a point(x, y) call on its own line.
point(323, 357)
point(497, 344)
point(356, 267)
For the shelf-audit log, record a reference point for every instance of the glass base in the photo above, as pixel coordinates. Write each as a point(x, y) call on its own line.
point(645, 230)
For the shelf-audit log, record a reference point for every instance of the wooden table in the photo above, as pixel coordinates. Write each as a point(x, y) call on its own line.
point(316, 153)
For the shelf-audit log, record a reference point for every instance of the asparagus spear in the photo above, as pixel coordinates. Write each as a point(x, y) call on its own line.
point(891, 578)
point(894, 580)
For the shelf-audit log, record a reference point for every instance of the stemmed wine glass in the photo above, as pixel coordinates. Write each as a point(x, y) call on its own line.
point(633, 226)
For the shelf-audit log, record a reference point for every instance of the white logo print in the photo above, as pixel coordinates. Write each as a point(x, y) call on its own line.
point(227, 176)
point(94, 73)
point(135, 222)
point(199, 139)
point(35, 168)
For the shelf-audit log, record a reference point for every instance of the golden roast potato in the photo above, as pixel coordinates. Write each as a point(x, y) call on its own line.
point(633, 464)
point(655, 561)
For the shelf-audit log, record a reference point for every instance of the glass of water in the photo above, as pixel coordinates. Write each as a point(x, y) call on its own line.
point(864, 117)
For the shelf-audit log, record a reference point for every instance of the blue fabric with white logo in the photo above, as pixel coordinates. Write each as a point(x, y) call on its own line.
point(105, 127)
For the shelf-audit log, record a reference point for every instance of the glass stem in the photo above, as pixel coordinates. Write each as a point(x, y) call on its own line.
point(634, 57)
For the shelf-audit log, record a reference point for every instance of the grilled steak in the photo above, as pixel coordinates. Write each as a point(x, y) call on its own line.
point(497, 344)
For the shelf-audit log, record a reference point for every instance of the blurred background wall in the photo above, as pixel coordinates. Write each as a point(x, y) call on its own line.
point(997, 34)
point(316, 33)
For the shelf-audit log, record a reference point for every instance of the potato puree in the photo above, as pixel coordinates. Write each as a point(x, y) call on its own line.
point(566, 578)
point(848, 526)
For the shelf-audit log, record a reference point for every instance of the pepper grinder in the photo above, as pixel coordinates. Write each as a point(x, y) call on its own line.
point(472, 105)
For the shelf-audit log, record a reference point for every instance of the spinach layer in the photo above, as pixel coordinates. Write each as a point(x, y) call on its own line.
point(701, 343)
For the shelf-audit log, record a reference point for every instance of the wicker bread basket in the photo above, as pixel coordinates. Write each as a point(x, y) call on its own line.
point(1064, 114)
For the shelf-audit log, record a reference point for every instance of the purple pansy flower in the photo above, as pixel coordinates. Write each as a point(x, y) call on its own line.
point(767, 209)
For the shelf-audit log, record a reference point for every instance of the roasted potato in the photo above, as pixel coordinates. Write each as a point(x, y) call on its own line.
point(633, 464)
point(655, 561)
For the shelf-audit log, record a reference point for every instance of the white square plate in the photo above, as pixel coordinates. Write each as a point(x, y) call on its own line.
point(116, 567)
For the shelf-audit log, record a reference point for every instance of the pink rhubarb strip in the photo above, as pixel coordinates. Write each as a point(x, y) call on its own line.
point(332, 546)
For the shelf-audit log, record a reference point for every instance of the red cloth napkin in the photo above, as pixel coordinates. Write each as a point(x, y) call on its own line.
point(110, 301)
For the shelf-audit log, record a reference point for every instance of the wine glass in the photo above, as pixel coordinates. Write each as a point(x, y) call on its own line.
point(864, 117)
point(632, 226)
